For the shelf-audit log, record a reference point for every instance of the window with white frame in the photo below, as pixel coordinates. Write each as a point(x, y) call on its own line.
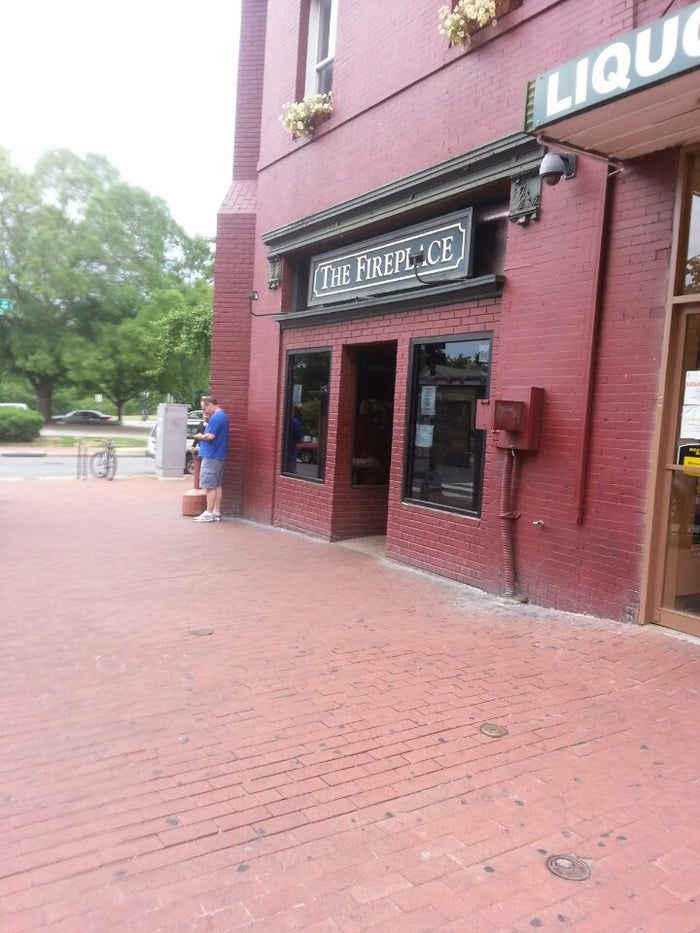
point(321, 46)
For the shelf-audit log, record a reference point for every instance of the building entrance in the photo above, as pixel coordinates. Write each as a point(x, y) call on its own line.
point(364, 441)
point(680, 595)
point(671, 587)
point(374, 415)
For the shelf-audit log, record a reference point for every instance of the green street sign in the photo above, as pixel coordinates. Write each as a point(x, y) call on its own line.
point(5, 304)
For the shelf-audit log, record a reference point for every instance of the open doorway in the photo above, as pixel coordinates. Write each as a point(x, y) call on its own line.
point(374, 415)
point(364, 442)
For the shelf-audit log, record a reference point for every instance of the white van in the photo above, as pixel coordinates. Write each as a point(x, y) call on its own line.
point(151, 449)
point(14, 405)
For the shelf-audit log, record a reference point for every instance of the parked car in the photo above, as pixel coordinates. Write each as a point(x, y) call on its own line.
point(82, 416)
point(194, 419)
point(307, 451)
point(151, 449)
point(20, 405)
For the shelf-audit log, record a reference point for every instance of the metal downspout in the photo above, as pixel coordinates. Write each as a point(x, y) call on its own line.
point(591, 344)
point(508, 516)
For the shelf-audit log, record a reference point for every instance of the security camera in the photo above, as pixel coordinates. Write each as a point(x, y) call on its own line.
point(557, 165)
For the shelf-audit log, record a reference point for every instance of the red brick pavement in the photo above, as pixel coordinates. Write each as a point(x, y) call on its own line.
point(315, 763)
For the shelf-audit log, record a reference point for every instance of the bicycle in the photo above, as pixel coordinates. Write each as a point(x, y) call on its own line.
point(104, 462)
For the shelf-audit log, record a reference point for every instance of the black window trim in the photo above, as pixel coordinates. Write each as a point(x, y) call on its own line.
point(409, 427)
point(287, 404)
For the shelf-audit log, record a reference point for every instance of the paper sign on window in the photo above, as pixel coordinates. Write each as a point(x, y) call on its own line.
point(427, 401)
point(424, 435)
point(690, 416)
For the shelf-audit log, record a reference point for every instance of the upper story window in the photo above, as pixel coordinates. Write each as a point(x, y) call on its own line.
point(321, 46)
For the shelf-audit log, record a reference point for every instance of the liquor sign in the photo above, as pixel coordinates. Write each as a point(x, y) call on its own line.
point(383, 264)
point(664, 49)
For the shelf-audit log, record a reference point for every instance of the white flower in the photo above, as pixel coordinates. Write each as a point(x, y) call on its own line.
point(301, 117)
point(467, 16)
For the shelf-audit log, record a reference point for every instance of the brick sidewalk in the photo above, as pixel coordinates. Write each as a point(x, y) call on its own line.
point(315, 762)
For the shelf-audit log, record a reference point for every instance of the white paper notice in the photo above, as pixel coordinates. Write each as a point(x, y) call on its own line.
point(690, 416)
point(427, 401)
point(424, 435)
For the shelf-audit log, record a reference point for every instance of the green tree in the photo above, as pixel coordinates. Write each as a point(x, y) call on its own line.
point(112, 364)
point(180, 323)
point(164, 350)
point(80, 251)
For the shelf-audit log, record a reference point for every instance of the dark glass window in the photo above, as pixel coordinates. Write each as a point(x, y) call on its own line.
point(306, 414)
point(446, 452)
point(692, 264)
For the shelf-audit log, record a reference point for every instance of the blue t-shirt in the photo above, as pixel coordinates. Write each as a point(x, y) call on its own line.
point(218, 448)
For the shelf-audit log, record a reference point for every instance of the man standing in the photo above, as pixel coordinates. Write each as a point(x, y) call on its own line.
point(294, 435)
point(213, 449)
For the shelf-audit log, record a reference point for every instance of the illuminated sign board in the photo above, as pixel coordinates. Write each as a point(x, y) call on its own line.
point(664, 49)
point(382, 265)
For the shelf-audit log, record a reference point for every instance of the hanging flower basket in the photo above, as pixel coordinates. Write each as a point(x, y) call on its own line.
point(302, 118)
point(459, 23)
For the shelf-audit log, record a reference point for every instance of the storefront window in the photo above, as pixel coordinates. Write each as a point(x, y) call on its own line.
point(306, 414)
point(691, 282)
point(682, 576)
point(446, 451)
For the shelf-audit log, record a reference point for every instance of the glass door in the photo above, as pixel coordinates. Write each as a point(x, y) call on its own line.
point(680, 596)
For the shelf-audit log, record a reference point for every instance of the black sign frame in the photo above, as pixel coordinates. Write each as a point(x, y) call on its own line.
point(380, 266)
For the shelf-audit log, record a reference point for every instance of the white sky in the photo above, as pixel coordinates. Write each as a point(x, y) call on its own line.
point(149, 84)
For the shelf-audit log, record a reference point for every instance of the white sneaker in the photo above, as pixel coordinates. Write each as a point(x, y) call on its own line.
point(205, 517)
point(217, 516)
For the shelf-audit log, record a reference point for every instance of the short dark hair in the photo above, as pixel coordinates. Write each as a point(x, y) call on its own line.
point(209, 398)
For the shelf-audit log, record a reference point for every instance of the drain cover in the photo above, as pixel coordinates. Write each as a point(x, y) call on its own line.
point(493, 730)
point(569, 867)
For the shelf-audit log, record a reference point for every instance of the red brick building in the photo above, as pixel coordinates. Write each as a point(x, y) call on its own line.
point(492, 371)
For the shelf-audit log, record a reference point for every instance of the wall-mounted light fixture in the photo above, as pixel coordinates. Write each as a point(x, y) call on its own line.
point(416, 258)
point(253, 296)
point(557, 165)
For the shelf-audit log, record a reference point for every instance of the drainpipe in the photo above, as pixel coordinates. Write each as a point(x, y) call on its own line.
point(508, 516)
point(591, 344)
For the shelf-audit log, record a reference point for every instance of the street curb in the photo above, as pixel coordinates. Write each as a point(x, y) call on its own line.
point(69, 451)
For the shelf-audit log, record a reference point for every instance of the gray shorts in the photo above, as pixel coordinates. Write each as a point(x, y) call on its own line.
point(211, 473)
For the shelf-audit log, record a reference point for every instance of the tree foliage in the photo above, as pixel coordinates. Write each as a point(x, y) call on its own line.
point(81, 256)
point(164, 350)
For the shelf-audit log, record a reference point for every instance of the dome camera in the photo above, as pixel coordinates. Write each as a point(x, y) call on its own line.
point(557, 165)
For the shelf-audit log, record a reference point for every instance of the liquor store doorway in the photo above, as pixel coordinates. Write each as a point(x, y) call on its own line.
point(680, 590)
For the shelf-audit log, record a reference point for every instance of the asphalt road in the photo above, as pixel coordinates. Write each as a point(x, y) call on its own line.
point(59, 465)
point(24, 462)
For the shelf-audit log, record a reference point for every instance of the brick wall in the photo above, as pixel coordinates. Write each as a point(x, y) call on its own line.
point(235, 256)
point(398, 113)
point(230, 362)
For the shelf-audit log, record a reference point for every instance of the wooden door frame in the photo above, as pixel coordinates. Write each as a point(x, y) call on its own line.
point(678, 306)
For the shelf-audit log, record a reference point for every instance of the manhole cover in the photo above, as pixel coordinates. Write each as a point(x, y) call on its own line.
point(569, 867)
point(202, 631)
point(493, 730)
